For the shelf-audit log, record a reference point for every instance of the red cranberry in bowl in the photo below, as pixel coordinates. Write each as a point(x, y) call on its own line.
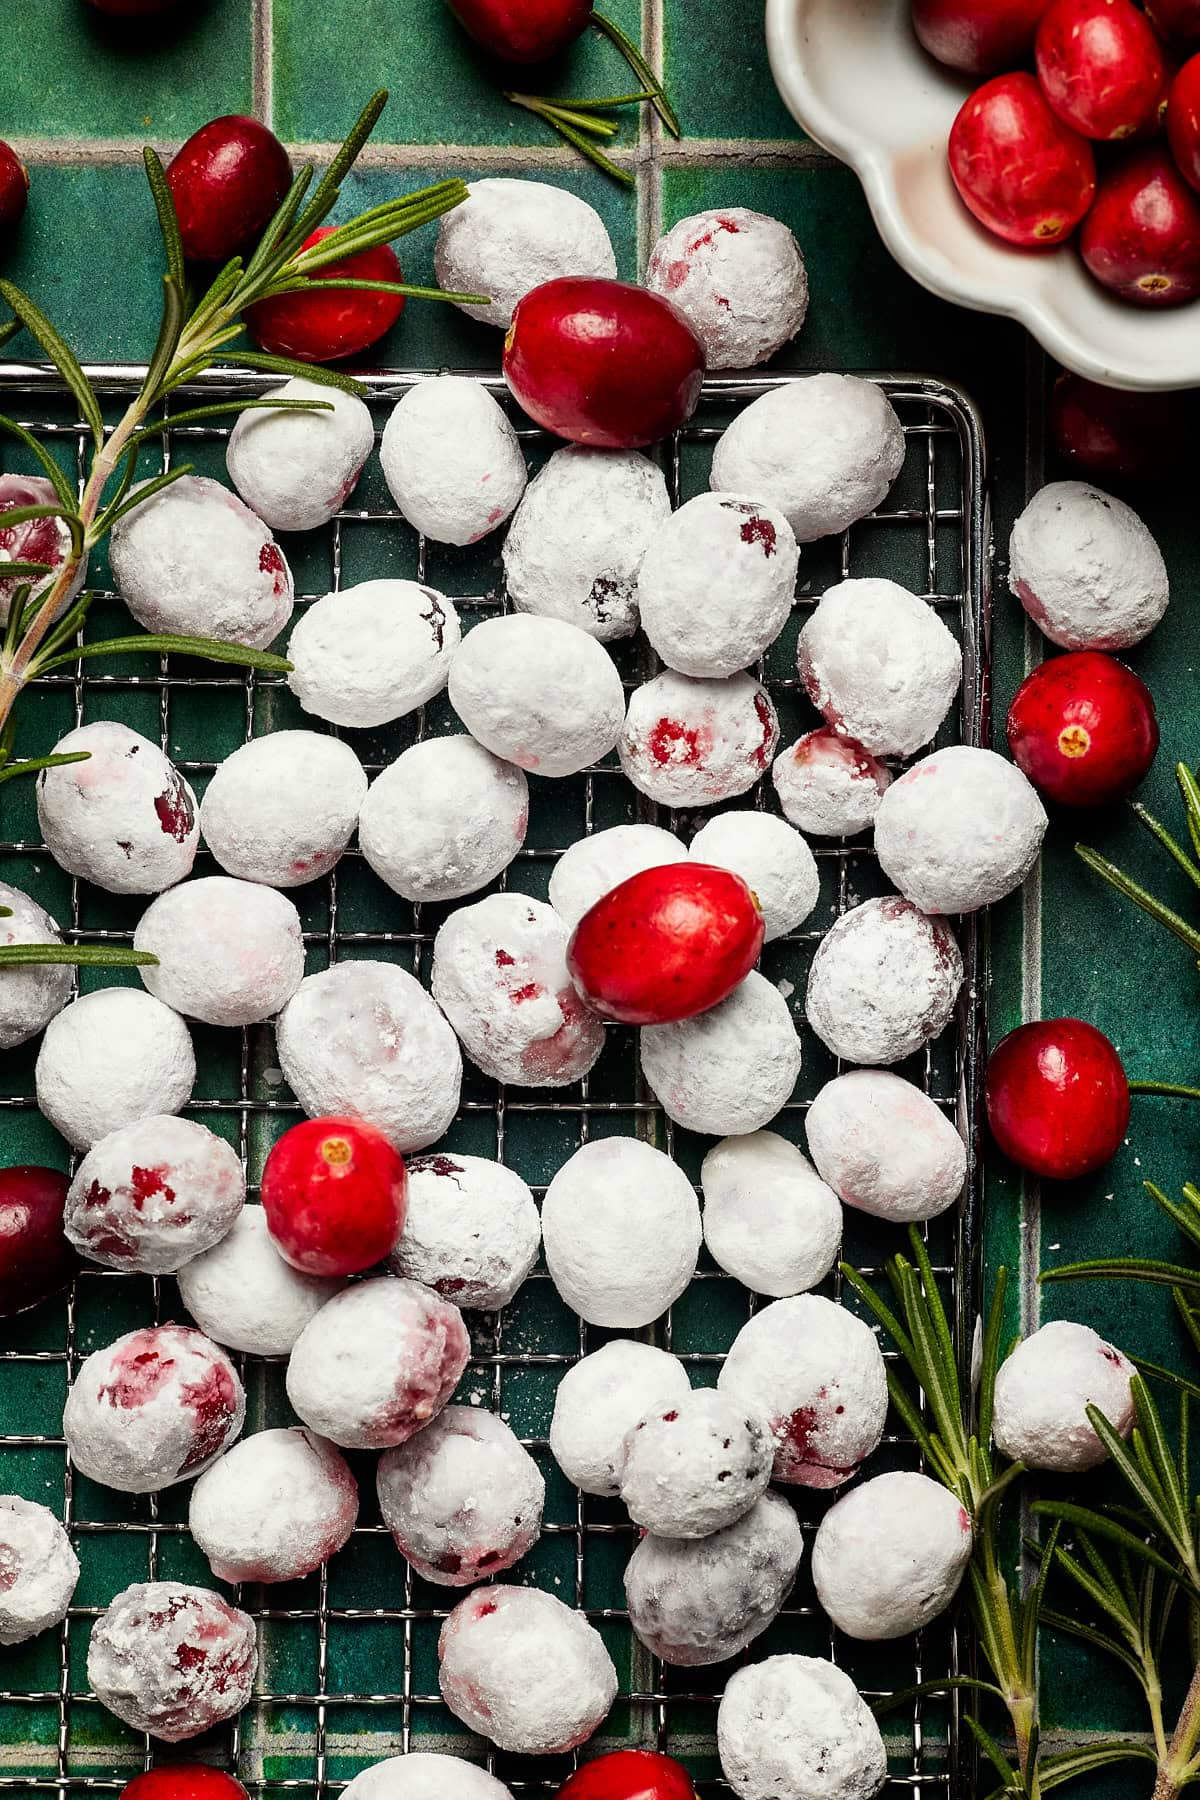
point(1176, 20)
point(1057, 1098)
point(1109, 432)
point(1142, 237)
point(1025, 175)
point(1101, 67)
point(227, 182)
point(1083, 728)
point(980, 37)
point(1183, 121)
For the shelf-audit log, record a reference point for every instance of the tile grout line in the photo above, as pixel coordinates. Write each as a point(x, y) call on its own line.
point(650, 142)
point(697, 153)
point(263, 69)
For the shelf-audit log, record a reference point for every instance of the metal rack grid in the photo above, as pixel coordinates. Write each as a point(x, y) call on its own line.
point(346, 1673)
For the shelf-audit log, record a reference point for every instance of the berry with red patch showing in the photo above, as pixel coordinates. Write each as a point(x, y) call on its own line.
point(630, 1775)
point(1183, 121)
point(666, 944)
point(693, 742)
point(1057, 1098)
point(124, 819)
point(1022, 172)
point(980, 37)
point(828, 785)
point(152, 1195)
point(172, 1659)
point(1107, 431)
point(14, 187)
point(325, 324)
point(153, 1408)
point(1141, 238)
point(227, 181)
point(739, 277)
point(35, 1258)
point(1101, 67)
point(523, 31)
point(603, 363)
point(44, 540)
point(334, 1192)
point(1083, 728)
point(184, 1781)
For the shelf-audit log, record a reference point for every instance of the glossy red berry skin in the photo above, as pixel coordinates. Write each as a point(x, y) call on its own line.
point(326, 324)
point(1142, 236)
point(666, 944)
point(1057, 1098)
point(602, 362)
point(184, 1781)
point(1177, 20)
point(629, 1775)
point(1083, 729)
point(227, 182)
point(1025, 175)
point(1183, 121)
point(522, 31)
point(14, 187)
point(35, 1258)
point(1101, 67)
point(980, 37)
point(1108, 432)
point(335, 1194)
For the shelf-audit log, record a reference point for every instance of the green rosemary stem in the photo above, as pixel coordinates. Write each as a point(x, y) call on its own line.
point(1181, 1767)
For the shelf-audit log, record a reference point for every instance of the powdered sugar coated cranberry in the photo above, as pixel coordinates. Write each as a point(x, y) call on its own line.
point(889, 1556)
point(828, 785)
point(695, 1467)
point(510, 236)
point(152, 1195)
point(772, 859)
point(462, 1499)
point(1043, 1391)
point(740, 278)
point(282, 808)
point(172, 1659)
point(444, 819)
point(717, 583)
point(500, 976)
point(194, 559)
point(539, 692)
point(473, 1229)
point(1086, 569)
point(229, 952)
point(728, 1070)
point(599, 1401)
point(452, 460)
point(525, 1670)
point(296, 468)
point(29, 998)
point(38, 1570)
point(880, 665)
point(798, 1725)
point(960, 830)
point(592, 866)
point(621, 1229)
point(377, 1363)
point(109, 1058)
point(576, 545)
point(365, 1039)
point(125, 819)
point(33, 540)
point(373, 653)
point(273, 1508)
point(243, 1294)
point(699, 1601)
point(769, 1219)
point(884, 982)
point(153, 1408)
point(885, 1147)
point(816, 1373)
point(689, 742)
point(423, 1775)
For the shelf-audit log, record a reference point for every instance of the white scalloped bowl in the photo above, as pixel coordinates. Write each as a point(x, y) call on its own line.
point(854, 77)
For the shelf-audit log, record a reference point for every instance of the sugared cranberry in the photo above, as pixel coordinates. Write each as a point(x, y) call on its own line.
point(1083, 729)
point(1177, 20)
point(14, 186)
point(1142, 236)
point(35, 1258)
point(629, 1775)
point(184, 1781)
point(335, 1195)
point(325, 324)
point(1024, 174)
point(1057, 1098)
point(522, 31)
point(227, 182)
point(980, 37)
point(1101, 66)
point(1107, 431)
point(668, 943)
point(603, 363)
point(1183, 121)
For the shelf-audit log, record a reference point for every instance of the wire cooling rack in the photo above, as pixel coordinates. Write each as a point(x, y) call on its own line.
point(348, 1671)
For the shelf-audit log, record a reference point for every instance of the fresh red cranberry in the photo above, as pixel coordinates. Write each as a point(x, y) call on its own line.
point(325, 324)
point(14, 187)
point(1057, 1098)
point(35, 1258)
point(1183, 121)
point(522, 31)
point(1142, 236)
point(227, 182)
point(603, 363)
point(1083, 728)
point(335, 1194)
point(184, 1781)
point(1101, 67)
point(980, 37)
point(666, 944)
point(629, 1775)
point(1024, 174)
point(1106, 431)
point(1176, 20)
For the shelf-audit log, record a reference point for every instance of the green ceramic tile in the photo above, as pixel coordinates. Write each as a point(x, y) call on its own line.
point(69, 72)
point(715, 63)
point(443, 90)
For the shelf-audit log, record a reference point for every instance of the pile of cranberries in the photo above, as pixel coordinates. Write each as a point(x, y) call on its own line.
point(1089, 123)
